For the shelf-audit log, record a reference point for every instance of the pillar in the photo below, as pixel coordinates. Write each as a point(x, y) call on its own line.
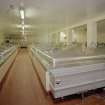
point(91, 34)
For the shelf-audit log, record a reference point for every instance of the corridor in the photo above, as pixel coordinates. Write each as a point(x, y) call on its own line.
point(22, 86)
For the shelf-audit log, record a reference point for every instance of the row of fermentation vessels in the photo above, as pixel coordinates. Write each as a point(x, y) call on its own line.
point(69, 71)
point(7, 56)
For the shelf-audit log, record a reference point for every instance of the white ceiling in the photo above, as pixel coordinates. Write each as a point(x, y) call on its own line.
point(46, 16)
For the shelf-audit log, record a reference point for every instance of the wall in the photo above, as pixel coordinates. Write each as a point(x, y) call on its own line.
point(101, 31)
point(41, 39)
point(79, 35)
point(101, 37)
point(54, 39)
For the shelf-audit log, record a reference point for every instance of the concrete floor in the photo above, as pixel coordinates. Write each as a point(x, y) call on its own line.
point(23, 87)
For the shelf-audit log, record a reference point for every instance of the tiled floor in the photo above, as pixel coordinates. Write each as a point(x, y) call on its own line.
point(22, 87)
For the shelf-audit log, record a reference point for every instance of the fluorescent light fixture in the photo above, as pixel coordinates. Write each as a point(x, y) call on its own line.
point(23, 27)
point(22, 14)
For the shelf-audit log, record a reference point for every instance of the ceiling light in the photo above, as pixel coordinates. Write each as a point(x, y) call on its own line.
point(22, 14)
point(23, 27)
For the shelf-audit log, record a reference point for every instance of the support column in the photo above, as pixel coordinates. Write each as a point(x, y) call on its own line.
point(91, 34)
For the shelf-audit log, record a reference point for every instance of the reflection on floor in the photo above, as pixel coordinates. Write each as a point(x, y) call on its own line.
point(22, 87)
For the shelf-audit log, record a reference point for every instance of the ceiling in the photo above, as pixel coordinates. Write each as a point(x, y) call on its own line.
point(46, 16)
